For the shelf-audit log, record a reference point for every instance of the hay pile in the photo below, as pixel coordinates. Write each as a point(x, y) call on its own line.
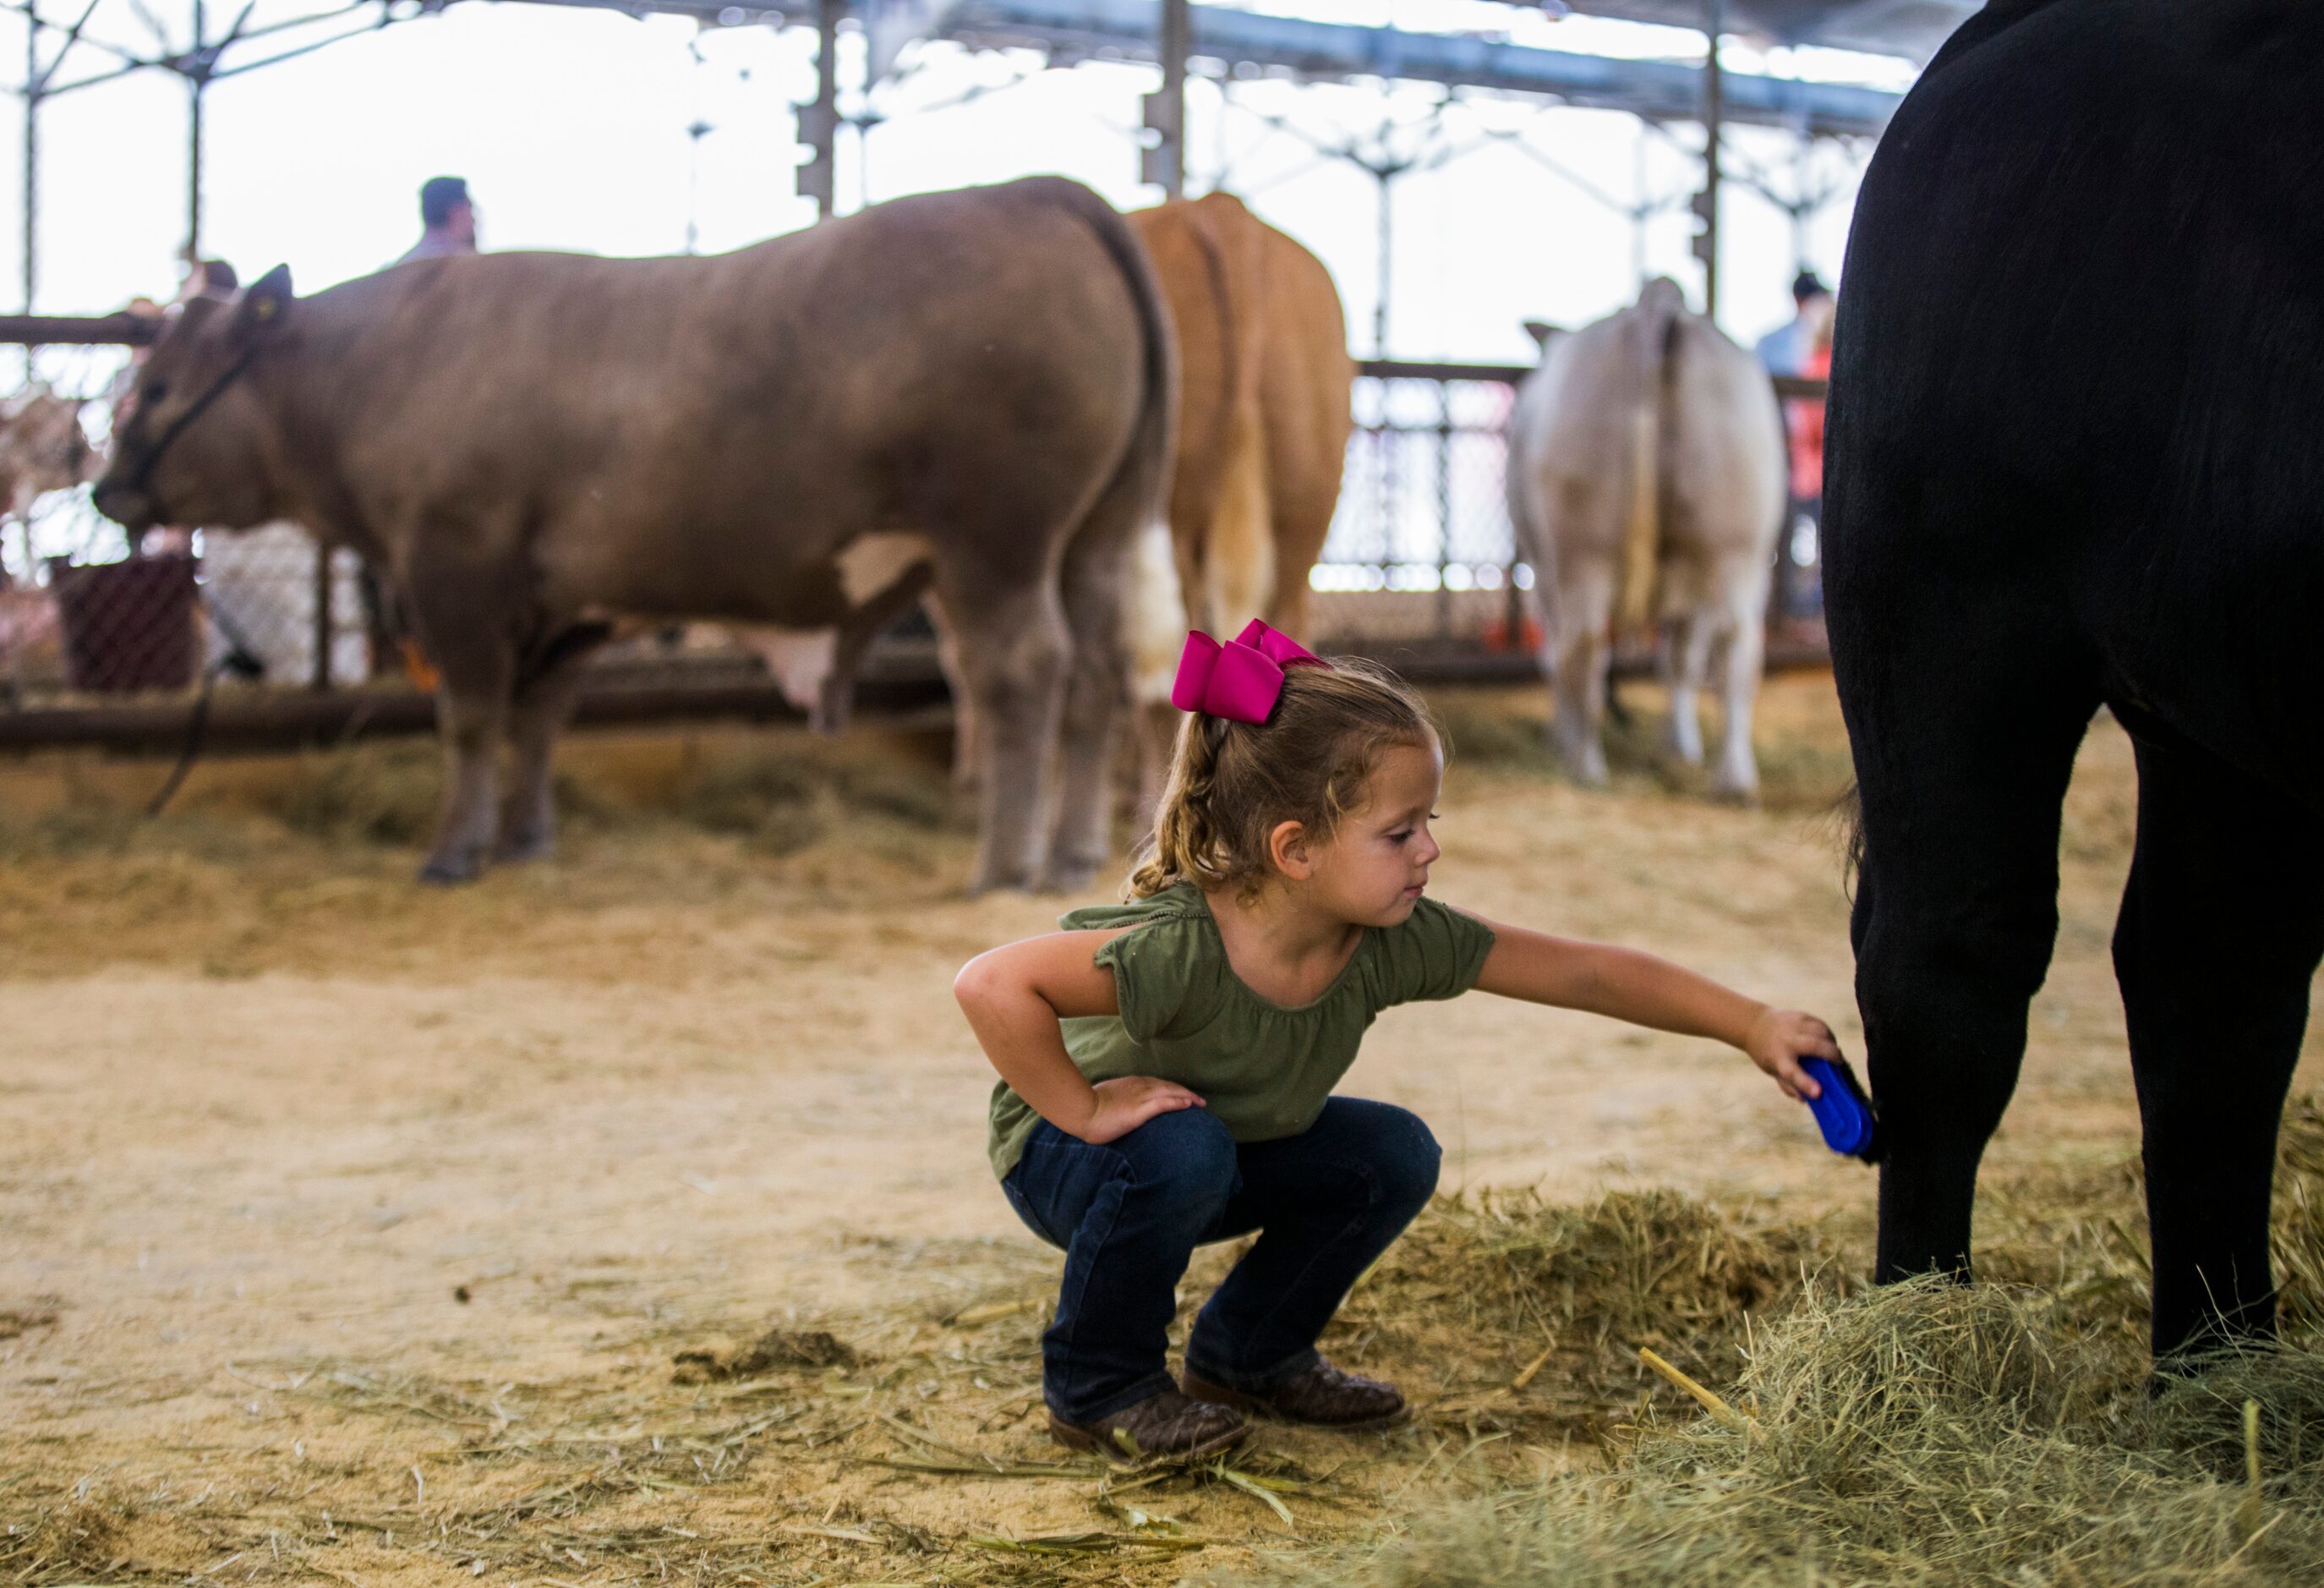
point(1919, 1434)
point(66, 834)
point(2081, 1234)
point(84, 1537)
point(778, 796)
point(1528, 1310)
point(1925, 1434)
point(2299, 1215)
point(362, 794)
point(779, 800)
point(774, 1350)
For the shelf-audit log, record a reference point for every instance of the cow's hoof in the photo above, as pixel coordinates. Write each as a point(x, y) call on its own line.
point(1580, 758)
point(1067, 878)
point(1745, 796)
point(446, 873)
point(523, 850)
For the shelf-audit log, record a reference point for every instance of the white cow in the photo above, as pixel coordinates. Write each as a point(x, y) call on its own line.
point(1646, 485)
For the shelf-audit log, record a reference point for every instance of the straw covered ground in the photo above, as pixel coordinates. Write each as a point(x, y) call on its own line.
point(624, 1219)
point(1930, 1434)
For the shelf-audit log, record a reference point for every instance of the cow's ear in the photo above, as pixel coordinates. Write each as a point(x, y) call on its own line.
point(1541, 331)
point(266, 307)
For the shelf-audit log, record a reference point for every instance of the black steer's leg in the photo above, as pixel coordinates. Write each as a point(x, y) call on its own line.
point(2221, 929)
point(1963, 746)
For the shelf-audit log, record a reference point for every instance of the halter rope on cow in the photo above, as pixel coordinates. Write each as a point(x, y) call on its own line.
point(142, 475)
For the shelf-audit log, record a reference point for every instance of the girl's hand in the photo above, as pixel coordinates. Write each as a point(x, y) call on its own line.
point(1780, 1038)
point(1128, 1102)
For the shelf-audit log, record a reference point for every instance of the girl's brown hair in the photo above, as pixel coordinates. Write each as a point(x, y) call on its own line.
point(1232, 783)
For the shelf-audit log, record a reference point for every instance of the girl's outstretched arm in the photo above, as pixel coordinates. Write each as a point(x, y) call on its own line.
point(1015, 996)
point(1646, 990)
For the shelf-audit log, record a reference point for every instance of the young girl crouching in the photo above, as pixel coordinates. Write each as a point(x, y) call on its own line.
point(1167, 1065)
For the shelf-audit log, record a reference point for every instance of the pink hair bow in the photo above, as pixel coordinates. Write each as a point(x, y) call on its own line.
point(1240, 680)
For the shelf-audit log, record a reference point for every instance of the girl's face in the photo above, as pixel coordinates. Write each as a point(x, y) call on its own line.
point(1376, 866)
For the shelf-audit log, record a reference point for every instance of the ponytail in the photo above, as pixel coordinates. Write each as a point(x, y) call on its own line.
point(1232, 783)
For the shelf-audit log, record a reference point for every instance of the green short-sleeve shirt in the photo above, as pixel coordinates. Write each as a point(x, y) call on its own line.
point(1262, 1068)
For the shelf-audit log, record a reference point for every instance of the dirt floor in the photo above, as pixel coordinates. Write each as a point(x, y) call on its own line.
point(353, 1229)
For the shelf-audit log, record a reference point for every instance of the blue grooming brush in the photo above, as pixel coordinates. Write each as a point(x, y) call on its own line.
point(1842, 1112)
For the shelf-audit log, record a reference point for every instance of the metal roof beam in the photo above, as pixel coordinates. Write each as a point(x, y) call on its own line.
point(1657, 90)
point(1910, 29)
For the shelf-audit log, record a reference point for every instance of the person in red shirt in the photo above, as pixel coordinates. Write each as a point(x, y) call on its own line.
point(1798, 591)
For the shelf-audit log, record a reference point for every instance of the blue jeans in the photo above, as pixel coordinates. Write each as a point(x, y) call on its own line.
point(1130, 1214)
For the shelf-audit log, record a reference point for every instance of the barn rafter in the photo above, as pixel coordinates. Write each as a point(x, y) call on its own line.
point(72, 45)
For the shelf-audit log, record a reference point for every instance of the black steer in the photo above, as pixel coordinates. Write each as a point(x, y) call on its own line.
point(2077, 459)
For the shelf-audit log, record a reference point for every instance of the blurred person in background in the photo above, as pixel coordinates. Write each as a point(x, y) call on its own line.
point(1783, 351)
point(449, 218)
point(1798, 591)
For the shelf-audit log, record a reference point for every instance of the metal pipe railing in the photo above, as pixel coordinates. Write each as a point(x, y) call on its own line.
point(1418, 468)
point(70, 330)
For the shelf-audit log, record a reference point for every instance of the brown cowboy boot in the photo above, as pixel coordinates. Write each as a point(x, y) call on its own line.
point(1322, 1397)
point(1165, 1423)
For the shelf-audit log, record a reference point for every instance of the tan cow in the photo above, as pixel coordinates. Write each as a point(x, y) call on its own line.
point(971, 389)
point(1263, 414)
point(1263, 425)
point(1646, 483)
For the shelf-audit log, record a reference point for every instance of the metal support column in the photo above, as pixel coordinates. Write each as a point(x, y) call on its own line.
point(1444, 626)
point(1164, 161)
point(1383, 439)
point(198, 80)
point(1382, 177)
point(1640, 209)
point(1714, 112)
point(35, 86)
point(818, 120)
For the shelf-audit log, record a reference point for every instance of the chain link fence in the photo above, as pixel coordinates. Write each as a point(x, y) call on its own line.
point(85, 616)
point(1422, 556)
point(1421, 553)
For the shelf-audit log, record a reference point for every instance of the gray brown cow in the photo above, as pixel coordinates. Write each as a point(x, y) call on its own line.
point(972, 390)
